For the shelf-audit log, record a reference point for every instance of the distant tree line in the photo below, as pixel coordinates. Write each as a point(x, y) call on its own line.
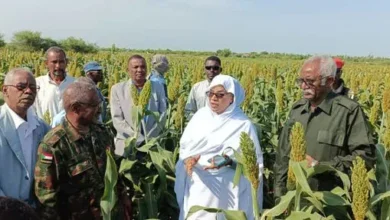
point(33, 41)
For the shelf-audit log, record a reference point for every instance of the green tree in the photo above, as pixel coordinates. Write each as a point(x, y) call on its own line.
point(78, 45)
point(26, 41)
point(224, 53)
point(46, 43)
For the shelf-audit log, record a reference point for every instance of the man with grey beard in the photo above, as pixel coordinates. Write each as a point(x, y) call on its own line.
point(336, 130)
point(53, 84)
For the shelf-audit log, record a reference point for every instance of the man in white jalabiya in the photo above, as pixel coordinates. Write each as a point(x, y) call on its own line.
point(213, 130)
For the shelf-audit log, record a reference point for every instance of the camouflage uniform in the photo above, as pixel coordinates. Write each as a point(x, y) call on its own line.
point(69, 174)
point(335, 133)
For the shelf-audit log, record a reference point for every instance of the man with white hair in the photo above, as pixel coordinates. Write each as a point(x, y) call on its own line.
point(336, 130)
point(160, 66)
point(20, 133)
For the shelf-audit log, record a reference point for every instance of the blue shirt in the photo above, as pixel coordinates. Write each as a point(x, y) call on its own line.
point(157, 77)
point(59, 118)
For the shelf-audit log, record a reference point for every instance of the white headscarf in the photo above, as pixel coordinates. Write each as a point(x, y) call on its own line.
point(206, 122)
point(209, 134)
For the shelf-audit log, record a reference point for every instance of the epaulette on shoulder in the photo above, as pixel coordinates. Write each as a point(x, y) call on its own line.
point(299, 103)
point(346, 102)
point(54, 135)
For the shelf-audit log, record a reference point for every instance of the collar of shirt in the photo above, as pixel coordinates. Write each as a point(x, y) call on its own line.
point(155, 76)
point(101, 96)
point(325, 106)
point(71, 132)
point(74, 135)
point(132, 83)
point(18, 121)
point(50, 80)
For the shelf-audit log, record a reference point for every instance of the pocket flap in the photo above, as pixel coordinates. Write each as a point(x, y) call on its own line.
point(80, 167)
point(332, 138)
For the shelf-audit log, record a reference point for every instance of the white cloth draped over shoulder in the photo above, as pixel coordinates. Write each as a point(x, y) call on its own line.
point(209, 134)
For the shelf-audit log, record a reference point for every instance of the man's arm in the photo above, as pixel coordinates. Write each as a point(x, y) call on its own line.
point(118, 119)
point(359, 142)
point(162, 105)
point(191, 108)
point(46, 182)
point(37, 107)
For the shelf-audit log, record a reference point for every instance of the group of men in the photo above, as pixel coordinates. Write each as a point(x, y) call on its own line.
point(59, 169)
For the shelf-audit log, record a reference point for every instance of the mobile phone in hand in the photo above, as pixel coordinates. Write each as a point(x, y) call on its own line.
point(219, 160)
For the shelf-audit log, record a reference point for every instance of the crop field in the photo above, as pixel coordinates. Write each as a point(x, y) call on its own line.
point(269, 83)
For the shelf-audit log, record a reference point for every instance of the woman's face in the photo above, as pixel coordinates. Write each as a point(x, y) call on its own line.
point(219, 99)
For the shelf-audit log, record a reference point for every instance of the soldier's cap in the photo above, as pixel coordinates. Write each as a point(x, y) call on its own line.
point(339, 62)
point(91, 66)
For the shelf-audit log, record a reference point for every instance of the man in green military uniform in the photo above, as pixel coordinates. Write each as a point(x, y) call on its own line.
point(336, 130)
point(71, 163)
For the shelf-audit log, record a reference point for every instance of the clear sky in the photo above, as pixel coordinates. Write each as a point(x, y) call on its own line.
point(343, 27)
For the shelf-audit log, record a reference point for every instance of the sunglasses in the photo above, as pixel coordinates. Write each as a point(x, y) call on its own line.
point(23, 87)
point(219, 95)
point(212, 67)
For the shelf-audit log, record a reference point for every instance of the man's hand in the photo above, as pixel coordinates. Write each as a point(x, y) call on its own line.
point(190, 163)
point(311, 162)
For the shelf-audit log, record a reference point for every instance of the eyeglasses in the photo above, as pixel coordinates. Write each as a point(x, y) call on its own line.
point(23, 87)
point(308, 82)
point(219, 95)
point(212, 67)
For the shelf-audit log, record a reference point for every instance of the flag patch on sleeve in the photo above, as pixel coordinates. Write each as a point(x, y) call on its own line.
point(46, 157)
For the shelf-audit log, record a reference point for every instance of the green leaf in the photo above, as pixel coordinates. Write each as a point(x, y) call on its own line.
point(229, 214)
point(382, 169)
point(339, 191)
point(136, 116)
point(370, 215)
point(163, 181)
point(109, 197)
point(127, 165)
point(281, 207)
point(298, 215)
point(142, 209)
point(130, 146)
point(150, 200)
point(379, 197)
point(317, 204)
point(146, 147)
point(385, 209)
point(331, 199)
point(301, 178)
point(237, 175)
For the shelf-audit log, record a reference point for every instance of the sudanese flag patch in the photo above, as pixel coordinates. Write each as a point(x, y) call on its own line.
point(46, 157)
